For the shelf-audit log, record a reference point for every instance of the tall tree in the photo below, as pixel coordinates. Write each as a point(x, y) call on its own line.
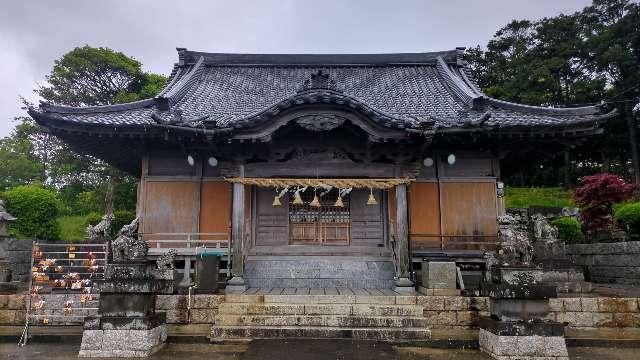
point(571, 60)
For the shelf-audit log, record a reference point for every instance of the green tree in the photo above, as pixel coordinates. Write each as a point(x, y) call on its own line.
point(94, 76)
point(569, 60)
point(36, 210)
point(18, 164)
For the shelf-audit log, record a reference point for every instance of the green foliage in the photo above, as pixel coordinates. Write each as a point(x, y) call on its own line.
point(93, 218)
point(91, 76)
point(37, 211)
point(121, 218)
point(567, 61)
point(628, 217)
point(72, 228)
point(569, 229)
point(18, 164)
point(516, 197)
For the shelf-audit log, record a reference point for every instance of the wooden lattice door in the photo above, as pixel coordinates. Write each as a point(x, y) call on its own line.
point(324, 225)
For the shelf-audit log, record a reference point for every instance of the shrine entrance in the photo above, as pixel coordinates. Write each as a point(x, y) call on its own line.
point(326, 223)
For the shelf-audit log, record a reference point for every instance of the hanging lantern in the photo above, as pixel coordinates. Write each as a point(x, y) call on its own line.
point(339, 202)
point(276, 201)
point(372, 199)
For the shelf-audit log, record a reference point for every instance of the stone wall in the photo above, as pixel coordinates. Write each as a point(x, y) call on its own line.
point(450, 312)
point(613, 263)
point(18, 255)
point(441, 312)
point(203, 308)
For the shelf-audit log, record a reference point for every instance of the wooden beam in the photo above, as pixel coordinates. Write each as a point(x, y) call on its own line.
point(403, 284)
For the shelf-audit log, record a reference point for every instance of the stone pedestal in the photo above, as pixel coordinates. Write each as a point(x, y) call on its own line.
point(127, 324)
point(522, 340)
point(439, 278)
point(516, 328)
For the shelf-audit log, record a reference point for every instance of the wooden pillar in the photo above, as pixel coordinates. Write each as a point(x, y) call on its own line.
point(403, 284)
point(236, 283)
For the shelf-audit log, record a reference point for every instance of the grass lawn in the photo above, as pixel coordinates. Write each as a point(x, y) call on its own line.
point(72, 228)
point(516, 197)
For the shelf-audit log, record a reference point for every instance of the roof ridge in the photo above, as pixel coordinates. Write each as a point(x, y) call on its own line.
point(45, 106)
point(188, 57)
point(541, 110)
point(457, 86)
point(184, 83)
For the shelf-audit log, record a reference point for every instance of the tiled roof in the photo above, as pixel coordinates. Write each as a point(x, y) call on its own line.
point(403, 90)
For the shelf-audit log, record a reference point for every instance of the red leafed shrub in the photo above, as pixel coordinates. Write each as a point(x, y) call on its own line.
point(596, 195)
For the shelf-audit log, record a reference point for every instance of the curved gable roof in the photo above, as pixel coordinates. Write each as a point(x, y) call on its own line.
point(213, 90)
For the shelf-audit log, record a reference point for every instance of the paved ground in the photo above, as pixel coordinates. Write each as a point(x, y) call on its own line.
point(296, 349)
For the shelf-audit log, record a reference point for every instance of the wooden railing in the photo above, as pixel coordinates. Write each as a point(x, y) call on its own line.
point(186, 242)
point(453, 242)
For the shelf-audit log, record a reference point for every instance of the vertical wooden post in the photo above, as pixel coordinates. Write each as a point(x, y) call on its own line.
point(403, 284)
point(236, 283)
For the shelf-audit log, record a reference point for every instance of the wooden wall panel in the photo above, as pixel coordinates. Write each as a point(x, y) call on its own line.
point(469, 208)
point(171, 207)
point(424, 215)
point(215, 207)
point(272, 222)
point(366, 220)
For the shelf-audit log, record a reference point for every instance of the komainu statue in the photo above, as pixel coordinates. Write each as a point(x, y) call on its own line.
point(101, 232)
point(166, 260)
point(127, 247)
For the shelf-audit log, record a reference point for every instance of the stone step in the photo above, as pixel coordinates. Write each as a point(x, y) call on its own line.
point(319, 309)
point(221, 333)
point(321, 320)
point(363, 298)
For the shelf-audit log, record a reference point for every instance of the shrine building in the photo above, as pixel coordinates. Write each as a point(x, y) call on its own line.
point(332, 170)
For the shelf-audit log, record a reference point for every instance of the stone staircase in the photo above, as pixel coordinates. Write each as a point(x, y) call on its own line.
point(370, 317)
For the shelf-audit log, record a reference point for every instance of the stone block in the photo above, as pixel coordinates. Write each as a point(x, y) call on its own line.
point(406, 300)
point(555, 305)
point(603, 320)
point(4, 301)
point(617, 305)
point(202, 316)
point(92, 340)
point(17, 302)
point(626, 320)
point(431, 302)
point(456, 303)
point(447, 318)
point(479, 303)
point(332, 309)
point(466, 318)
point(171, 302)
point(207, 301)
point(439, 275)
point(589, 304)
point(372, 299)
point(7, 317)
point(572, 304)
point(180, 316)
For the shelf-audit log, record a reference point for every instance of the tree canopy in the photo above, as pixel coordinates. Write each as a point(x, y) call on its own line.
point(586, 58)
point(84, 76)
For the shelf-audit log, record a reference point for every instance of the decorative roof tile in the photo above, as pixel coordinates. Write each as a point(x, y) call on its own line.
point(400, 90)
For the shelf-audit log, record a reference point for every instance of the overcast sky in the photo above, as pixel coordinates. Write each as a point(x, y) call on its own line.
point(33, 33)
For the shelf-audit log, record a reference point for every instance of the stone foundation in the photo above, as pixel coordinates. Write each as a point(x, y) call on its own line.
point(530, 347)
point(122, 343)
point(317, 272)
